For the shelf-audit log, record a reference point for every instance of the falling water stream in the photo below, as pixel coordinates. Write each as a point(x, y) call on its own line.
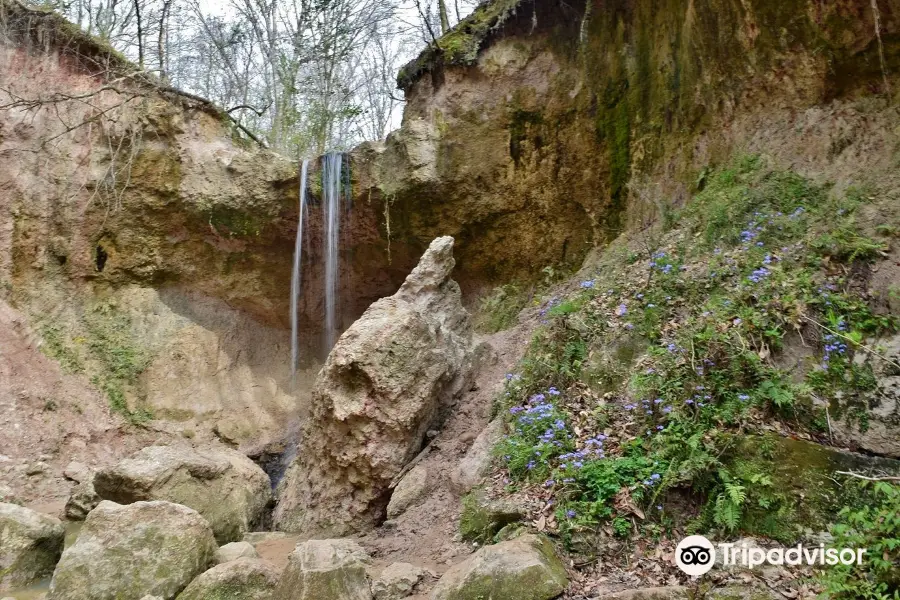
point(295, 274)
point(331, 206)
point(334, 206)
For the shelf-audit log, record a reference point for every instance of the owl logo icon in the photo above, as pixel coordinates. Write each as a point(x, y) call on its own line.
point(695, 555)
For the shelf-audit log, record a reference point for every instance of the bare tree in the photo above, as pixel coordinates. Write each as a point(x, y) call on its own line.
point(305, 75)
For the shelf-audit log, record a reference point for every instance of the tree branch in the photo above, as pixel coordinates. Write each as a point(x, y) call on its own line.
point(866, 477)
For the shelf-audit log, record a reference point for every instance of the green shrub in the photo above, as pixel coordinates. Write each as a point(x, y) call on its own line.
point(876, 527)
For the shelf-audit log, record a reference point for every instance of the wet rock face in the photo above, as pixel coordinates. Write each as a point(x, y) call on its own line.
point(127, 552)
point(387, 381)
point(30, 546)
point(225, 487)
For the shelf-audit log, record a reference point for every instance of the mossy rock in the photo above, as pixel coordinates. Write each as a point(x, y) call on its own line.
point(242, 579)
point(126, 552)
point(526, 568)
point(30, 545)
point(482, 518)
point(800, 491)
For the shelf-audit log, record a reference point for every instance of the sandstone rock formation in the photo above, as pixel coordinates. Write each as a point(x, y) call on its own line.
point(525, 568)
point(325, 570)
point(387, 381)
point(30, 545)
point(242, 579)
point(127, 552)
point(228, 489)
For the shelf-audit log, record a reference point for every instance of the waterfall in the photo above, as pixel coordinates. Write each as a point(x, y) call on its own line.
point(331, 206)
point(295, 274)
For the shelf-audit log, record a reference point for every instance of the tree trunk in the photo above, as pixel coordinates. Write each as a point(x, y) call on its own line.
point(445, 19)
point(140, 33)
point(161, 42)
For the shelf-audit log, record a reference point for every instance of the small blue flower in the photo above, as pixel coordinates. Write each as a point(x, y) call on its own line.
point(587, 284)
point(570, 513)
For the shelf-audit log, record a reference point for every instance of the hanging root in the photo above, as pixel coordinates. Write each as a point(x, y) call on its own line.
point(876, 16)
point(387, 223)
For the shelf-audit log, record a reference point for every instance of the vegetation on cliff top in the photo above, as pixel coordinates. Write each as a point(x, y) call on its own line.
point(669, 380)
point(461, 45)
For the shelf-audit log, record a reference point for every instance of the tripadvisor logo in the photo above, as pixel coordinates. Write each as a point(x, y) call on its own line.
point(696, 555)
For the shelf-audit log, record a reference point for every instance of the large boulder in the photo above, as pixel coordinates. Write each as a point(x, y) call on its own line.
point(391, 377)
point(242, 579)
point(226, 487)
point(525, 568)
point(127, 552)
point(325, 570)
point(30, 545)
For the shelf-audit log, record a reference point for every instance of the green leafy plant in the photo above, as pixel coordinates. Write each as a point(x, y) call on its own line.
point(875, 527)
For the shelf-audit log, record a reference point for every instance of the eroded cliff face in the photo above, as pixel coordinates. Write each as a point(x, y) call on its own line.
point(539, 130)
point(151, 249)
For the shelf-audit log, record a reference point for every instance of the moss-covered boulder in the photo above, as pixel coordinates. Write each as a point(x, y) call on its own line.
point(127, 552)
point(482, 517)
point(325, 570)
point(30, 545)
point(226, 487)
point(525, 568)
point(242, 579)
